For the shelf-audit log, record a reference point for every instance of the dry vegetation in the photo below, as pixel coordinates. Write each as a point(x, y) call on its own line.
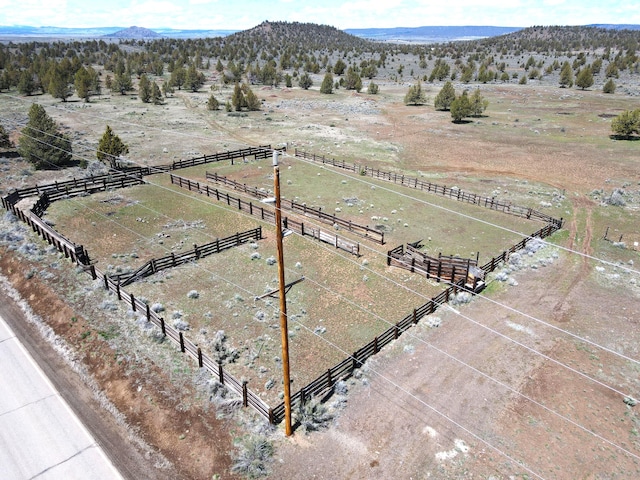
point(429, 405)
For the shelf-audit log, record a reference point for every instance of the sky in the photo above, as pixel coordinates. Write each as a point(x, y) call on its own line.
point(342, 14)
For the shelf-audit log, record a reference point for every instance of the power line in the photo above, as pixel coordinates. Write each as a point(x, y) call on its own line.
point(245, 290)
point(522, 313)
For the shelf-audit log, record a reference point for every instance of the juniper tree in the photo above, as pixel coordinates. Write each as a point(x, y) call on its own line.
point(26, 85)
point(83, 83)
point(237, 99)
point(627, 123)
point(445, 97)
point(566, 76)
point(352, 80)
point(110, 147)
point(327, 83)
point(609, 86)
point(478, 104)
point(42, 143)
point(252, 102)
point(212, 103)
point(5, 141)
point(415, 95)
point(144, 89)
point(305, 81)
point(460, 107)
point(584, 79)
point(58, 84)
point(156, 94)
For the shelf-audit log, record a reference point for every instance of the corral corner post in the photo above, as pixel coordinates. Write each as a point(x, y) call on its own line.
point(284, 330)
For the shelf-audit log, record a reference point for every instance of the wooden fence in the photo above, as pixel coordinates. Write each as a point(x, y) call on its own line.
point(321, 385)
point(81, 186)
point(78, 255)
point(443, 267)
point(504, 256)
point(268, 215)
point(327, 161)
point(325, 382)
point(260, 152)
point(186, 346)
point(453, 193)
point(290, 205)
point(157, 264)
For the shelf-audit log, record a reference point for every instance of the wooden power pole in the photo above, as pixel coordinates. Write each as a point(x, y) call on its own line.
point(284, 329)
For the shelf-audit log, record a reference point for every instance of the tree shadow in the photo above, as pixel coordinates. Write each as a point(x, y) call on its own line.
point(461, 122)
point(629, 138)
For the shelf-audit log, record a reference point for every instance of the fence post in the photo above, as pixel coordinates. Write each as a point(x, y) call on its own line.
point(181, 342)
point(375, 345)
point(329, 379)
point(92, 269)
point(106, 282)
point(118, 290)
point(133, 302)
point(220, 373)
point(245, 402)
point(148, 313)
point(164, 331)
point(199, 357)
point(415, 316)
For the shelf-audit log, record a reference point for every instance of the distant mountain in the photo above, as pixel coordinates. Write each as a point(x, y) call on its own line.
point(311, 35)
point(49, 31)
point(426, 34)
point(430, 34)
point(97, 32)
point(135, 32)
point(612, 26)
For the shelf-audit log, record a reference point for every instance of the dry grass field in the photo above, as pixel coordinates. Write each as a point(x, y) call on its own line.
point(526, 381)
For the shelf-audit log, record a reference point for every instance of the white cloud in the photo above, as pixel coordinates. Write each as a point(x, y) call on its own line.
point(243, 14)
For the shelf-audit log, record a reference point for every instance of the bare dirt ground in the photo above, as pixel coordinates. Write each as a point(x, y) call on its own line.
point(491, 393)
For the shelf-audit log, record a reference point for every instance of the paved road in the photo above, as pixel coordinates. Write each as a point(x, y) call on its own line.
point(40, 437)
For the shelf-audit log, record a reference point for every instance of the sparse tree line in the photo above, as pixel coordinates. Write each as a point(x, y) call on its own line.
point(280, 52)
point(277, 52)
point(45, 146)
point(461, 106)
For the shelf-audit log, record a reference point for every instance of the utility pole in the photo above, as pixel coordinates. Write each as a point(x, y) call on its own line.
point(284, 329)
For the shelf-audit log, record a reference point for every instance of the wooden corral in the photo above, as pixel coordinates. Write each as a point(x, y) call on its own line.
point(449, 269)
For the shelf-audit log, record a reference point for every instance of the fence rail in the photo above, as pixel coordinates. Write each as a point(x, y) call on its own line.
point(80, 256)
point(259, 152)
point(450, 192)
point(74, 187)
point(186, 346)
point(199, 251)
point(268, 215)
point(324, 383)
point(442, 267)
point(290, 205)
